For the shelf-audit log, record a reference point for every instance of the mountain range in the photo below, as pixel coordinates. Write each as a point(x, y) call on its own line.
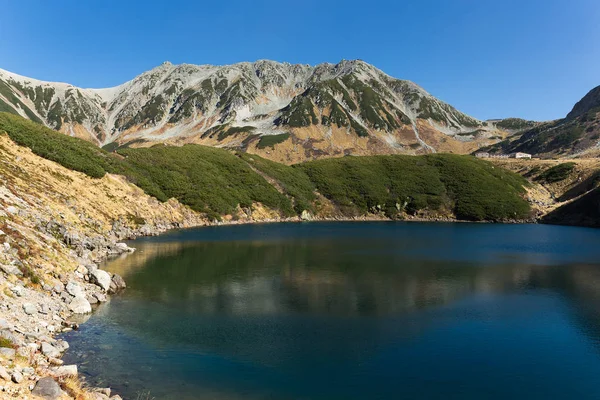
point(288, 113)
point(576, 135)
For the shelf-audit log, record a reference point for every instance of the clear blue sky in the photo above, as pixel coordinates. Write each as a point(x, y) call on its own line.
point(489, 58)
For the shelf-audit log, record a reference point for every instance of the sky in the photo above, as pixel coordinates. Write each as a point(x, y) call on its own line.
point(531, 59)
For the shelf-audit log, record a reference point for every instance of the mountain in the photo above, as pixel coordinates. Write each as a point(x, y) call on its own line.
point(578, 134)
point(286, 112)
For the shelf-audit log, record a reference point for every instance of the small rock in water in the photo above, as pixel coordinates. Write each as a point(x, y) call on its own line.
point(47, 388)
point(123, 248)
point(117, 283)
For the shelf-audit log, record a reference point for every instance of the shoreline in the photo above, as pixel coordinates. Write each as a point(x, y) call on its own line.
point(88, 285)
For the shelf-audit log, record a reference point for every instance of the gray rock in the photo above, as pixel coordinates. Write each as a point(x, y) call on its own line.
point(61, 345)
point(17, 377)
point(74, 289)
point(24, 351)
point(117, 283)
point(4, 374)
point(98, 396)
point(59, 287)
point(80, 305)
point(91, 268)
point(104, 391)
point(28, 371)
point(6, 352)
point(47, 388)
point(101, 278)
point(50, 351)
point(123, 248)
point(29, 308)
point(12, 210)
point(66, 370)
point(101, 297)
point(18, 290)
point(4, 324)
point(11, 269)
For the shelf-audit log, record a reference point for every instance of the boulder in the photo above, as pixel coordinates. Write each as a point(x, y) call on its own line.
point(6, 352)
point(65, 370)
point(11, 269)
point(101, 278)
point(4, 374)
point(117, 283)
point(17, 377)
point(29, 308)
point(74, 289)
point(47, 388)
point(123, 248)
point(18, 290)
point(98, 396)
point(61, 345)
point(50, 351)
point(80, 305)
point(4, 324)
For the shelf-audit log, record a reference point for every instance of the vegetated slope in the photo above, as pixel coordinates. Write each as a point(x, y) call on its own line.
point(217, 182)
point(584, 211)
point(208, 180)
point(326, 110)
point(577, 134)
point(434, 185)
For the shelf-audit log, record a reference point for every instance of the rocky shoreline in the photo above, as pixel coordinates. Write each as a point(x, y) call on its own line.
point(30, 355)
point(29, 321)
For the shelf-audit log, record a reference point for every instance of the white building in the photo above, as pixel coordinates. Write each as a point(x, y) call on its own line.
point(520, 155)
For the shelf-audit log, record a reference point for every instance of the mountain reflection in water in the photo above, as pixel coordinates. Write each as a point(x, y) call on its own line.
point(353, 311)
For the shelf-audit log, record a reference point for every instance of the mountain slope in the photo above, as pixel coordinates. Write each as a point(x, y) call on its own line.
point(221, 183)
point(311, 112)
point(578, 134)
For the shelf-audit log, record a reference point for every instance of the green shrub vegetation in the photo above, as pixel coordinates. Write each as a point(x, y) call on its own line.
point(272, 140)
point(557, 173)
point(207, 179)
point(216, 181)
point(293, 181)
point(471, 189)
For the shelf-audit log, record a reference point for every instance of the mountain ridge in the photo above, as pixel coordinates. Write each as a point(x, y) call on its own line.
point(575, 135)
point(316, 111)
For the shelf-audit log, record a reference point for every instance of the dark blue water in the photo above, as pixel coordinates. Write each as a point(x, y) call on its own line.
point(352, 311)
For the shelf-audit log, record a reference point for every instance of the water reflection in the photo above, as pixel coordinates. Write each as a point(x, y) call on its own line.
point(338, 314)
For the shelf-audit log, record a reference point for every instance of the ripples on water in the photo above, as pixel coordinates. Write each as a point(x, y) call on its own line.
point(352, 311)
